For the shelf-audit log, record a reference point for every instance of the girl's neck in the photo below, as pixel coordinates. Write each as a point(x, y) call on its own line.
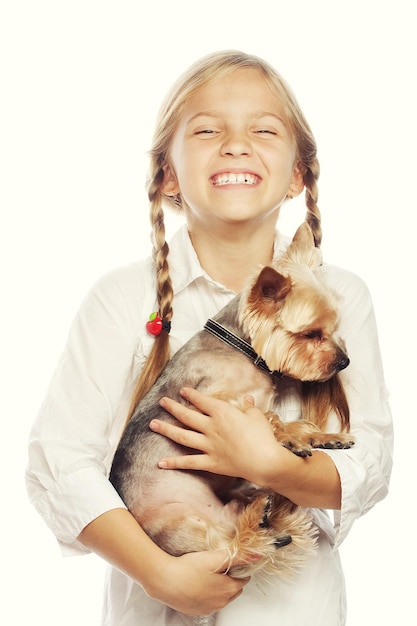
point(232, 257)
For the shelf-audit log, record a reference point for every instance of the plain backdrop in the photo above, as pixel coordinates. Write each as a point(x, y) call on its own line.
point(81, 82)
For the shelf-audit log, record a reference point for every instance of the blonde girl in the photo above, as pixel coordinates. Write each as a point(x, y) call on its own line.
point(230, 147)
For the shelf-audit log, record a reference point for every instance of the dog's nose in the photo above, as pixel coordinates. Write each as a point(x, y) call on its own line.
point(342, 362)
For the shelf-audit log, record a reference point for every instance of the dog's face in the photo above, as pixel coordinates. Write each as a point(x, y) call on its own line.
point(291, 317)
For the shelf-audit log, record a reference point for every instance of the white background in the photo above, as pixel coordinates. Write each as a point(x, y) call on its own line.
point(81, 82)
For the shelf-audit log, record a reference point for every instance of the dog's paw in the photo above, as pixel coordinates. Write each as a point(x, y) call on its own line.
point(333, 442)
point(325, 441)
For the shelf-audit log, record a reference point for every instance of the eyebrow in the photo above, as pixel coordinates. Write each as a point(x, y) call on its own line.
point(204, 114)
point(216, 114)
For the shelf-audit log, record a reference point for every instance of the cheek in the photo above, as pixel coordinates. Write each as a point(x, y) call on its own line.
point(281, 160)
point(188, 170)
point(178, 156)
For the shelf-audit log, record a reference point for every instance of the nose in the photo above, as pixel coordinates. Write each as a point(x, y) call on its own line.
point(236, 144)
point(342, 362)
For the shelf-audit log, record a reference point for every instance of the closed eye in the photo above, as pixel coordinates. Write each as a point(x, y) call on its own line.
point(266, 131)
point(313, 334)
point(206, 131)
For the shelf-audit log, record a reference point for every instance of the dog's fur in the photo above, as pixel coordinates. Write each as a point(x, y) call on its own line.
point(289, 317)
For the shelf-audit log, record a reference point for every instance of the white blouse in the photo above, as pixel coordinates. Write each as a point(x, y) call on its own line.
point(79, 424)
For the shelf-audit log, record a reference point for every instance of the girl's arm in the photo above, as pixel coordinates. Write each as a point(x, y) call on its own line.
point(241, 443)
point(193, 584)
point(72, 444)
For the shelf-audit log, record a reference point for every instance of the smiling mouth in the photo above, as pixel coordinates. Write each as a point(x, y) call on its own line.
point(230, 178)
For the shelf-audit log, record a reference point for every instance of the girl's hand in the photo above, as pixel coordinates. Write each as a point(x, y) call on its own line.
point(196, 583)
point(232, 442)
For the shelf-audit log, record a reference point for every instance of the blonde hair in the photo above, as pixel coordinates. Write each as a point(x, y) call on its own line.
point(207, 70)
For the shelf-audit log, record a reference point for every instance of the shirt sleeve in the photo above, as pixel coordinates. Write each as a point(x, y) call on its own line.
point(77, 429)
point(365, 469)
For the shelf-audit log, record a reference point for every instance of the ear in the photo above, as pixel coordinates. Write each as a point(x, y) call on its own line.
point(297, 183)
point(169, 185)
point(302, 249)
point(270, 285)
point(304, 235)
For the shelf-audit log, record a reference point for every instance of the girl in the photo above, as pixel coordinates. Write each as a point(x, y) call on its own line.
point(231, 146)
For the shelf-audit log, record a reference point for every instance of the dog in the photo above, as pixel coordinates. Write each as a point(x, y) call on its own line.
point(283, 325)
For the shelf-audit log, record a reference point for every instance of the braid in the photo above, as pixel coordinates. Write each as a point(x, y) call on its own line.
point(313, 216)
point(160, 352)
point(160, 254)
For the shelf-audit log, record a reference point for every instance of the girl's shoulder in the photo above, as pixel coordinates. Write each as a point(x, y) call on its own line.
point(353, 297)
point(123, 294)
point(344, 281)
point(137, 276)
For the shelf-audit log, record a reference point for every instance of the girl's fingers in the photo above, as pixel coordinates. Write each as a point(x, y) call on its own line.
point(187, 462)
point(182, 436)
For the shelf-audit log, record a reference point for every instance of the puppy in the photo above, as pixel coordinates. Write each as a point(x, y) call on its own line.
point(284, 324)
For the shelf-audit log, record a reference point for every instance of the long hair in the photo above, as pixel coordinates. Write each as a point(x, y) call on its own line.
point(205, 71)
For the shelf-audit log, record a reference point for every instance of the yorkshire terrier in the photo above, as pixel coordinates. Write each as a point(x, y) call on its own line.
point(283, 325)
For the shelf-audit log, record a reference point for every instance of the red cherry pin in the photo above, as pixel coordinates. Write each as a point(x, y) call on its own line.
point(154, 325)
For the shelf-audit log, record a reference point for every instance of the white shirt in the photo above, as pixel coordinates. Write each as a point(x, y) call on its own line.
point(80, 422)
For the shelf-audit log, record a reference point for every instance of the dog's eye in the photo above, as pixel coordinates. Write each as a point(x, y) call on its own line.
point(313, 334)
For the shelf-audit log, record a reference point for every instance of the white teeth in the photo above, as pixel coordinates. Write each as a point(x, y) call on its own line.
point(235, 179)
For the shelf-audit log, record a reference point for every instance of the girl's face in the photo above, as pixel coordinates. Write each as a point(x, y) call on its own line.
point(232, 157)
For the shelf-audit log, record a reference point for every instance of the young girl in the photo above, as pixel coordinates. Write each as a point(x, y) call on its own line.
point(231, 146)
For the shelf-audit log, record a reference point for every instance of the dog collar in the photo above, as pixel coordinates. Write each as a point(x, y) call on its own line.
point(234, 341)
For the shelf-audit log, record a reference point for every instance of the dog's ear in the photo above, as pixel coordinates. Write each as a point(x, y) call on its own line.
point(270, 285)
point(302, 249)
point(304, 235)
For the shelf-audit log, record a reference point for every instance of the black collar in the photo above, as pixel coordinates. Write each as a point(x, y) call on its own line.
point(234, 341)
